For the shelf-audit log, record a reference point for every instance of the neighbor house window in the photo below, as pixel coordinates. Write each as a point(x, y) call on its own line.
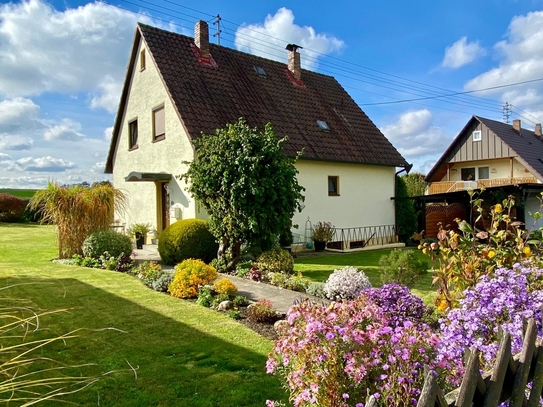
point(159, 125)
point(333, 186)
point(483, 173)
point(476, 135)
point(142, 60)
point(133, 134)
point(468, 174)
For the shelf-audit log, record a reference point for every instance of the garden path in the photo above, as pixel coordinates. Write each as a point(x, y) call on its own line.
point(281, 298)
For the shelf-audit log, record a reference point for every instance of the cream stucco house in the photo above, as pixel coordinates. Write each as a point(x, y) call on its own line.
point(502, 158)
point(177, 87)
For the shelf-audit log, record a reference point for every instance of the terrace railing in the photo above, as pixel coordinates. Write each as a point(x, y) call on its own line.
point(345, 239)
point(453, 186)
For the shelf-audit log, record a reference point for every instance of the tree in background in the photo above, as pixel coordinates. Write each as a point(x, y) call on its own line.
point(406, 218)
point(415, 183)
point(77, 211)
point(247, 185)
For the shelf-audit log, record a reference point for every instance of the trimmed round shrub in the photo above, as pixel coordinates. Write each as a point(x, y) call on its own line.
point(346, 283)
point(190, 275)
point(101, 241)
point(12, 208)
point(225, 286)
point(276, 260)
point(187, 239)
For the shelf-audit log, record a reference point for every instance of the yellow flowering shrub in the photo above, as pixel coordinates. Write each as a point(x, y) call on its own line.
point(465, 256)
point(189, 276)
point(225, 286)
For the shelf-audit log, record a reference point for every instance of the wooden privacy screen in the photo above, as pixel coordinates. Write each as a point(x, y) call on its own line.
point(444, 214)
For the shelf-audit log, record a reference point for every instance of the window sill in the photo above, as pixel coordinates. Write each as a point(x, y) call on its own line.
point(329, 194)
point(159, 138)
point(133, 148)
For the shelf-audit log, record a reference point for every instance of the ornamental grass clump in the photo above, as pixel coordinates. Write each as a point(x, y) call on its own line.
point(339, 354)
point(500, 302)
point(346, 283)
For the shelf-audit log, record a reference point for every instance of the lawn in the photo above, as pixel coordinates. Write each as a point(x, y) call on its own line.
point(21, 193)
point(318, 268)
point(185, 354)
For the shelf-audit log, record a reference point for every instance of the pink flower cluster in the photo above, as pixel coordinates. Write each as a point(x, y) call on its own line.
point(335, 355)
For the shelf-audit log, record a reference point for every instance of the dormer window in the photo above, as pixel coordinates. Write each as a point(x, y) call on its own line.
point(142, 60)
point(476, 135)
point(323, 125)
point(260, 71)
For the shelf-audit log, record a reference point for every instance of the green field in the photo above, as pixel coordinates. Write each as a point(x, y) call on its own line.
point(21, 193)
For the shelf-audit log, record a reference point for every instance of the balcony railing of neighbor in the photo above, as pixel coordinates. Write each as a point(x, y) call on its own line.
point(453, 186)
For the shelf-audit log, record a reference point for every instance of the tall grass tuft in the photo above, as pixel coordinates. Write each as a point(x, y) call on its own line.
point(77, 211)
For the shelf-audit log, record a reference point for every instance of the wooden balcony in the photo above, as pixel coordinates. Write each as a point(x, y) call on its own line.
point(453, 186)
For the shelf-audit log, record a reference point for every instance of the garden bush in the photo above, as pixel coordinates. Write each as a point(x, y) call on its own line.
point(162, 283)
point(294, 283)
point(241, 301)
point(346, 283)
point(276, 260)
point(102, 241)
point(316, 289)
point(187, 239)
point(12, 208)
point(402, 267)
point(225, 286)
point(190, 275)
point(261, 311)
point(338, 354)
point(148, 272)
point(205, 297)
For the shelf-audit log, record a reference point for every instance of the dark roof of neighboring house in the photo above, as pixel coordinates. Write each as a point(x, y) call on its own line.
point(526, 144)
point(208, 98)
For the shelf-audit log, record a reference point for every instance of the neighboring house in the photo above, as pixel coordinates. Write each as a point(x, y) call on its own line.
point(178, 87)
point(492, 155)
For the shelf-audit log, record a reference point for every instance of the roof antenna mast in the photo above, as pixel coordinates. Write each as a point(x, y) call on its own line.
point(217, 22)
point(506, 112)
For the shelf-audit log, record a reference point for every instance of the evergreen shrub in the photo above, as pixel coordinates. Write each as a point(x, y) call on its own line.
point(102, 241)
point(276, 260)
point(187, 239)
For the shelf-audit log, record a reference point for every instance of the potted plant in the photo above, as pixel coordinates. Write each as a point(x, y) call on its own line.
point(139, 232)
point(154, 236)
point(321, 234)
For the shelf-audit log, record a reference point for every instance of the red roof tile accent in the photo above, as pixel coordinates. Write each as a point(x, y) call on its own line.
point(207, 98)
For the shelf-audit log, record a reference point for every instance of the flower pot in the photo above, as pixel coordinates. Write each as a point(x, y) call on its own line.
point(140, 239)
point(319, 246)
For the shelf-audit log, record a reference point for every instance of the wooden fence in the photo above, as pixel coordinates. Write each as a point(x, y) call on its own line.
point(505, 382)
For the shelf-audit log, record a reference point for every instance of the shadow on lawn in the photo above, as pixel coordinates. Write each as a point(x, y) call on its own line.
point(178, 365)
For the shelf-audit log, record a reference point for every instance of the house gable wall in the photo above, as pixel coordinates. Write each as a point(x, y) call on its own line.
point(146, 93)
point(364, 195)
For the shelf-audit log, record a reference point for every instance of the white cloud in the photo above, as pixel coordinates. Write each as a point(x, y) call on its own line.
point(461, 53)
point(521, 59)
point(4, 158)
point(26, 181)
point(107, 96)
point(81, 49)
point(18, 114)
point(279, 30)
point(98, 168)
point(67, 130)
point(43, 164)
point(415, 135)
point(11, 142)
point(108, 133)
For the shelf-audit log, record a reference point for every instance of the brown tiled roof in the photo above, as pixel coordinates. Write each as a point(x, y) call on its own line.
point(208, 97)
point(526, 144)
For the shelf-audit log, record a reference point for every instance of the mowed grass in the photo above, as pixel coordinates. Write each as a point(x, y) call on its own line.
point(318, 268)
point(21, 193)
point(184, 354)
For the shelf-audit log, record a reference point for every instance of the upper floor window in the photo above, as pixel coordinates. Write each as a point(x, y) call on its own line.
point(476, 135)
point(333, 186)
point(142, 60)
point(133, 134)
point(159, 124)
point(475, 173)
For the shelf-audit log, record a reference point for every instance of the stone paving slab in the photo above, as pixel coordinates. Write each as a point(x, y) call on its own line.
point(282, 299)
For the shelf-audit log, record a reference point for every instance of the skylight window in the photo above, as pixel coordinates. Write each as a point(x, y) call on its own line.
point(260, 71)
point(323, 125)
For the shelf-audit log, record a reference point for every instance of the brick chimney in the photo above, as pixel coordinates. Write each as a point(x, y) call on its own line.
point(516, 125)
point(537, 130)
point(201, 38)
point(294, 64)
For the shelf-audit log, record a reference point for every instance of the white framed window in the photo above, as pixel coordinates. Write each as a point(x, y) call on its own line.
point(476, 135)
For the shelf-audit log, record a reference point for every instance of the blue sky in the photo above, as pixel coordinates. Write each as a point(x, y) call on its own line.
point(62, 65)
